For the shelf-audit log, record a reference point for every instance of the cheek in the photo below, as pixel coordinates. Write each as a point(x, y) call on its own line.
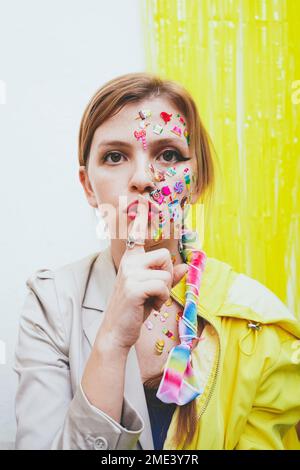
point(175, 186)
point(107, 193)
point(175, 189)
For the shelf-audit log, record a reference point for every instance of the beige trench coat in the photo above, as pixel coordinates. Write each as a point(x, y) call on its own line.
point(59, 322)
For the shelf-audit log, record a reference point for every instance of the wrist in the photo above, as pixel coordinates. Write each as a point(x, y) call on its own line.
point(107, 343)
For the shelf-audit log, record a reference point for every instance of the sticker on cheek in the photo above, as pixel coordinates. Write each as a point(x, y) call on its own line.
point(171, 171)
point(178, 187)
point(157, 196)
point(187, 181)
point(162, 219)
point(173, 210)
point(156, 174)
point(160, 175)
point(166, 190)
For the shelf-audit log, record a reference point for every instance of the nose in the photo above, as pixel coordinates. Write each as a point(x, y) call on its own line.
point(141, 180)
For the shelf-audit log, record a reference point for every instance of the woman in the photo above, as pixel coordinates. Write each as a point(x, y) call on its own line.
point(150, 343)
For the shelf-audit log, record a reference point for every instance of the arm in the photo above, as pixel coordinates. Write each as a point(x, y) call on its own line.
point(48, 415)
point(106, 362)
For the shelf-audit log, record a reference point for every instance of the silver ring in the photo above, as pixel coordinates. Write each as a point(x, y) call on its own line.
point(132, 241)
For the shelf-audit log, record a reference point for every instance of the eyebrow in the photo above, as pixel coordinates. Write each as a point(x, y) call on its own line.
point(152, 145)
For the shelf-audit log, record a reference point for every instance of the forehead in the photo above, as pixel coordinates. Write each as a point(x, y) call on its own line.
point(122, 125)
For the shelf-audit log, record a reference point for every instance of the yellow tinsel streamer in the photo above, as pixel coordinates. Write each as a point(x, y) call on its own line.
point(240, 59)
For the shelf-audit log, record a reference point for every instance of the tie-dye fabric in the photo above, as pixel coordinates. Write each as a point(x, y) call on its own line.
point(179, 384)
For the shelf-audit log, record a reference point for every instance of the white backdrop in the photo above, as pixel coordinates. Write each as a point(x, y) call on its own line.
point(53, 56)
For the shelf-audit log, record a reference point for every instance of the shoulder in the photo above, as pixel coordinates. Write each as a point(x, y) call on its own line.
point(69, 273)
point(253, 295)
point(54, 297)
point(245, 298)
point(55, 287)
point(259, 335)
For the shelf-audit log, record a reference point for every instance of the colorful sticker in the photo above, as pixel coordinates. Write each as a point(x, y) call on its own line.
point(166, 117)
point(141, 135)
point(159, 346)
point(174, 210)
point(178, 187)
point(157, 129)
point(157, 196)
point(149, 325)
point(166, 190)
point(187, 136)
point(171, 171)
point(144, 114)
point(177, 130)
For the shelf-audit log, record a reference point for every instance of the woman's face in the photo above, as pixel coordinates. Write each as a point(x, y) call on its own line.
point(141, 154)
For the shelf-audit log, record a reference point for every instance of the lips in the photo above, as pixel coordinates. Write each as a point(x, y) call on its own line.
point(132, 209)
point(132, 205)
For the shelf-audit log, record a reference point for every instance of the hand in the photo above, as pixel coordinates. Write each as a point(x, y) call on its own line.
point(143, 283)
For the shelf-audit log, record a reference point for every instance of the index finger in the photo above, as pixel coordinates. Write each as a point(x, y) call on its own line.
point(139, 227)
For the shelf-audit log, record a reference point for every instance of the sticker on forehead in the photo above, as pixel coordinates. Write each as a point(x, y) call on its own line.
point(181, 119)
point(141, 135)
point(166, 117)
point(187, 136)
point(144, 114)
point(157, 129)
point(143, 124)
point(177, 130)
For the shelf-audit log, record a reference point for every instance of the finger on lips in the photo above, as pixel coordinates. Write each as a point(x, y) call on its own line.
point(139, 226)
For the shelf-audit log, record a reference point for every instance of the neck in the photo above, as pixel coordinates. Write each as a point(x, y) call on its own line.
point(118, 247)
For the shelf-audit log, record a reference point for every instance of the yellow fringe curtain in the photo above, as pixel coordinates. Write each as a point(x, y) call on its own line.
point(241, 61)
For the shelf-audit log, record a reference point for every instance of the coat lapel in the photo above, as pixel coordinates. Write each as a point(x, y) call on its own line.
point(99, 288)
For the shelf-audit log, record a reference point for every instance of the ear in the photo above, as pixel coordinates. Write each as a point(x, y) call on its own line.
point(85, 181)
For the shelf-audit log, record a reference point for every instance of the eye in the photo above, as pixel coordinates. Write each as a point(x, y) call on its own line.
point(115, 157)
point(169, 154)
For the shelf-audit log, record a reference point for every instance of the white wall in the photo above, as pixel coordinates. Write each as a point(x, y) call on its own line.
point(54, 55)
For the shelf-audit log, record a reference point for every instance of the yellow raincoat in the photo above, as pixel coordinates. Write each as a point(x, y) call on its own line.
point(250, 367)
